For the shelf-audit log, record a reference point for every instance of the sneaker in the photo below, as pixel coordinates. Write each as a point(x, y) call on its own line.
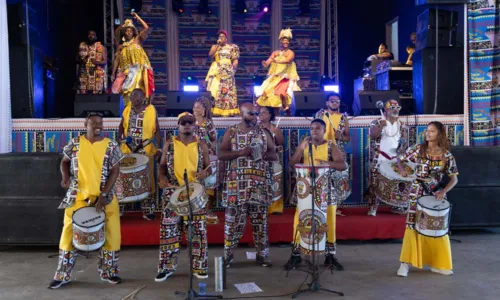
point(228, 261)
point(372, 212)
point(265, 261)
point(149, 217)
point(293, 262)
point(55, 284)
point(162, 276)
point(403, 270)
point(331, 260)
point(112, 280)
point(399, 210)
point(201, 275)
point(442, 272)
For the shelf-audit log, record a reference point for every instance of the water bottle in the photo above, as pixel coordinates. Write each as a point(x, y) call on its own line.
point(202, 288)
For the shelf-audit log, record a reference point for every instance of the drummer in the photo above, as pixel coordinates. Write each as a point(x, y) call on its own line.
point(434, 160)
point(205, 130)
point(89, 169)
point(323, 152)
point(246, 189)
point(388, 138)
point(180, 153)
point(138, 127)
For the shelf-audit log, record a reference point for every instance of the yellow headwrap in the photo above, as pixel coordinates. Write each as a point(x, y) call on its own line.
point(286, 33)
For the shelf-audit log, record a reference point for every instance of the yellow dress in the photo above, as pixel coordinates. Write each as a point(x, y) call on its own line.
point(134, 64)
point(320, 153)
point(278, 88)
point(221, 83)
point(185, 158)
point(90, 160)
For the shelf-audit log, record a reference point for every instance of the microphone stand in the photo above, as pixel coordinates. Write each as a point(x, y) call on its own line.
point(315, 284)
point(191, 293)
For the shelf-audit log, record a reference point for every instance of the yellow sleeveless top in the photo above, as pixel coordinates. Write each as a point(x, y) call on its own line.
point(185, 157)
point(90, 159)
point(330, 132)
point(320, 153)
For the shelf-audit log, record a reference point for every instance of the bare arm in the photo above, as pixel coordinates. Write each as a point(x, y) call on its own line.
point(213, 50)
point(121, 130)
point(163, 161)
point(267, 62)
point(346, 137)
point(143, 35)
point(299, 152)
point(384, 55)
point(289, 56)
point(280, 139)
point(157, 134)
point(225, 153)
point(338, 161)
point(235, 64)
point(375, 130)
point(271, 147)
point(64, 167)
point(116, 62)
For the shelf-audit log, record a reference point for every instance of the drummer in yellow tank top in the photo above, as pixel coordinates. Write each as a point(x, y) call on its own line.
point(185, 158)
point(324, 153)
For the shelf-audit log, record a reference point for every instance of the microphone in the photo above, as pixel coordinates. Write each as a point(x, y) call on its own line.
point(379, 104)
point(311, 150)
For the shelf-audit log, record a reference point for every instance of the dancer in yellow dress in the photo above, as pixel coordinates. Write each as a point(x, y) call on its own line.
point(434, 160)
point(131, 68)
point(278, 88)
point(220, 77)
point(89, 170)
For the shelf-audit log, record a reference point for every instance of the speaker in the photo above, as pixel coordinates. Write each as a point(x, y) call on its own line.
point(179, 102)
point(111, 105)
point(364, 102)
point(446, 28)
point(16, 24)
point(450, 97)
point(21, 81)
point(308, 103)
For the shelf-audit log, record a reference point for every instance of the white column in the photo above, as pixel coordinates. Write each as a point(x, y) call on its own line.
point(225, 18)
point(5, 110)
point(276, 23)
point(173, 60)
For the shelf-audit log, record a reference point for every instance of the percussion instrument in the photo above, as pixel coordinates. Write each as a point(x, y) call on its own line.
point(133, 182)
point(88, 228)
point(391, 187)
point(432, 216)
point(212, 181)
point(256, 146)
point(179, 201)
point(341, 184)
point(277, 181)
point(305, 209)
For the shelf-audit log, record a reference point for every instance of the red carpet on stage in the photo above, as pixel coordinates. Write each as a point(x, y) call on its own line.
point(356, 225)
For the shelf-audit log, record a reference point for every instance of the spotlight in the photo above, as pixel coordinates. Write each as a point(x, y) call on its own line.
point(266, 9)
point(257, 90)
point(265, 6)
point(240, 6)
point(191, 88)
point(178, 6)
point(331, 88)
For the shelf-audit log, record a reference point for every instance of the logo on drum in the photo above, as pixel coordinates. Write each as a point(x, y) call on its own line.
point(303, 188)
point(136, 184)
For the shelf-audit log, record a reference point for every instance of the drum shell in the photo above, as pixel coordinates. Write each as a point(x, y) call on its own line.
point(198, 198)
point(89, 236)
point(430, 221)
point(277, 181)
point(134, 183)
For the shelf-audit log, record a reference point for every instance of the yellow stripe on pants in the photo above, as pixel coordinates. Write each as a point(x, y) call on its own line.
point(112, 226)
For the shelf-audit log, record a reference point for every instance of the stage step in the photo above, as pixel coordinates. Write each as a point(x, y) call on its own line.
point(356, 225)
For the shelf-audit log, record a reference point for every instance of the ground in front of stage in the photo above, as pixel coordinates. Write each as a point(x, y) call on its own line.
point(370, 273)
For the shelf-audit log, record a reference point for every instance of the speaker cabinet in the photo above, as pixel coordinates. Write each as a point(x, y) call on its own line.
point(111, 105)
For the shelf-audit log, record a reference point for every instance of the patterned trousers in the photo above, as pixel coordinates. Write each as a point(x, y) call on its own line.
point(236, 217)
point(171, 229)
point(107, 265)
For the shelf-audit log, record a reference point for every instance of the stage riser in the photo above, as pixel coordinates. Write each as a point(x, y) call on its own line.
point(358, 149)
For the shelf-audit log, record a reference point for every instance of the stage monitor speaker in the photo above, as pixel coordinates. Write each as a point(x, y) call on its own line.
point(111, 105)
point(308, 103)
point(364, 102)
point(179, 102)
point(446, 28)
point(450, 81)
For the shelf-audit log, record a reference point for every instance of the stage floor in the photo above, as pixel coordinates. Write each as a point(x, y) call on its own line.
point(370, 273)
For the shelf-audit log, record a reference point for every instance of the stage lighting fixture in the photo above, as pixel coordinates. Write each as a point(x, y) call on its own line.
point(240, 6)
point(203, 7)
point(331, 88)
point(136, 5)
point(178, 6)
point(265, 6)
point(257, 90)
point(191, 88)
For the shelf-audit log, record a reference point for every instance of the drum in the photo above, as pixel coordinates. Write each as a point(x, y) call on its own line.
point(133, 182)
point(391, 187)
point(277, 181)
point(305, 209)
point(342, 185)
point(256, 146)
point(212, 182)
point(178, 201)
point(432, 216)
point(88, 228)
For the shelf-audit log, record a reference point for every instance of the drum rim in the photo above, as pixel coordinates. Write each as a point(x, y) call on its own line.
point(183, 187)
point(432, 236)
point(85, 226)
point(137, 155)
point(434, 209)
point(400, 178)
point(306, 166)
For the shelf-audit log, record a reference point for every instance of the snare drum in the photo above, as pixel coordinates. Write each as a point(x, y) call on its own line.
point(179, 201)
point(391, 187)
point(88, 228)
point(304, 206)
point(432, 216)
point(133, 182)
point(211, 182)
point(277, 181)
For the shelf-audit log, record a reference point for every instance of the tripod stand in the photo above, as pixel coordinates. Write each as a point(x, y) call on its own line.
point(191, 293)
point(315, 284)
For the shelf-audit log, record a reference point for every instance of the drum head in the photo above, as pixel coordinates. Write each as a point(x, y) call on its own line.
point(88, 217)
point(180, 197)
point(390, 170)
point(132, 161)
point(431, 203)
